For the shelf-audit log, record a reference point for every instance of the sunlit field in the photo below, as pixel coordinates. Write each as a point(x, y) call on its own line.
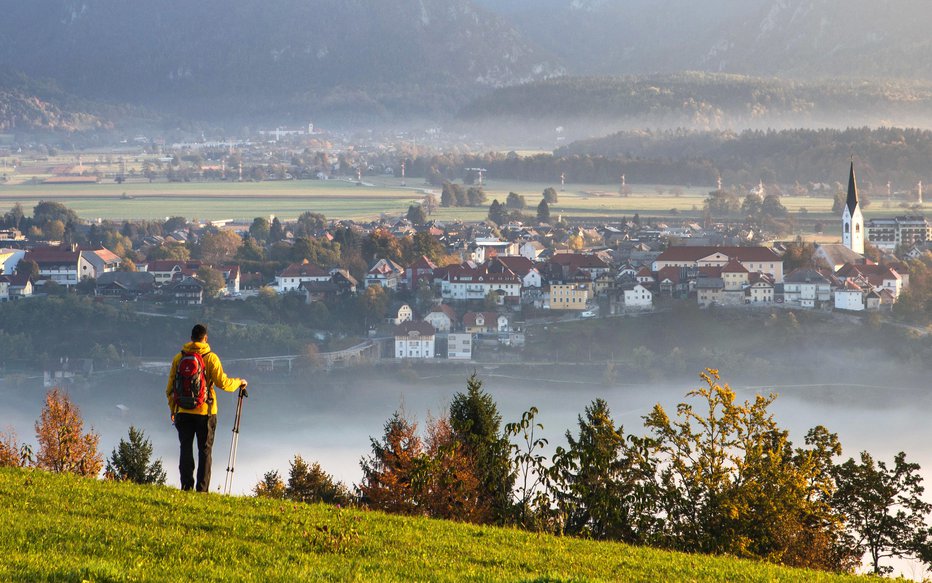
point(376, 196)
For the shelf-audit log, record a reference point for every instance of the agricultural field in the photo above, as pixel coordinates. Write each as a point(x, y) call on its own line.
point(374, 197)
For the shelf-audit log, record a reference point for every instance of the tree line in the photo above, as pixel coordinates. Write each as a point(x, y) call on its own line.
point(715, 476)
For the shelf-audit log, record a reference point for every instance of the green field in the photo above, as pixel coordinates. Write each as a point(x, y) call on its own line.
point(63, 528)
point(375, 197)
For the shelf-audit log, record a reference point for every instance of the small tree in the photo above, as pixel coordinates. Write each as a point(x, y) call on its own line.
point(416, 214)
point(212, 279)
point(543, 212)
point(63, 445)
point(310, 483)
point(883, 508)
point(270, 486)
point(389, 474)
point(130, 461)
point(550, 195)
point(10, 450)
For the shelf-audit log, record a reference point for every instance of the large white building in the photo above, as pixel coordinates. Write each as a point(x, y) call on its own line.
point(753, 259)
point(892, 232)
point(414, 339)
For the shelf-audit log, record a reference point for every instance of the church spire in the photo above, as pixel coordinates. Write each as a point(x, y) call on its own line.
point(852, 201)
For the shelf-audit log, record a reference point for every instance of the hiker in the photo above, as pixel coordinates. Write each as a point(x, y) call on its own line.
point(192, 400)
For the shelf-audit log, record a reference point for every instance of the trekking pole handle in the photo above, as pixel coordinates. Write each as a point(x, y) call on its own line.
point(242, 393)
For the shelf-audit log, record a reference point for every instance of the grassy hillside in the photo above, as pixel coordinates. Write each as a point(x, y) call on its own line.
point(69, 529)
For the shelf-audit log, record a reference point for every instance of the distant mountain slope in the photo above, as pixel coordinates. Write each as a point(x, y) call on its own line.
point(709, 101)
point(255, 55)
point(27, 105)
point(800, 38)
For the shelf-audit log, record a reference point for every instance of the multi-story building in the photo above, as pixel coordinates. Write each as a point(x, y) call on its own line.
point(890, 233)
point(569, 296)
point(414, 339)
point(753, 259)
point(469, 282)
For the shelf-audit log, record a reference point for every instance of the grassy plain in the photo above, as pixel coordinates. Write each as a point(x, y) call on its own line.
point(371, 199)
point(63, 528)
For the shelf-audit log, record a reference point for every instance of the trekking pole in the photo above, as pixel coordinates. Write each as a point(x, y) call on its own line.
point(228, 483)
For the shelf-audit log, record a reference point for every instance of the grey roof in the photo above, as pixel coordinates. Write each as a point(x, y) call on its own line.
point(852, 201)
point(129, 279)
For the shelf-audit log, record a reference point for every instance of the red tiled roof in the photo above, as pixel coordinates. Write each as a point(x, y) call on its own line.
point(520, 265)
point(579, 261)
point(734, 266)
point(51, 255)
point(490, 318)
point(421, 327)
point(671, 273)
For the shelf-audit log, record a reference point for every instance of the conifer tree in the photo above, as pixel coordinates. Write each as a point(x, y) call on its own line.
point(389, 474)
point(310, 483)
point(476, 423)
point(130, 461)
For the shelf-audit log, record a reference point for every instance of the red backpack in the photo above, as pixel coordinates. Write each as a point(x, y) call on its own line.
point(191, 387)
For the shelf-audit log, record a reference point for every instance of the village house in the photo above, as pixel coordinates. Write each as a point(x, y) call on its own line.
point(850, 297)
point(386, 274)
point(166, 270)
point(186, 290)
point(568, 296)
point(441, 317)
point(414, 339)
point(639, 298)
point(291, 278)
point(807, 287)
point(484, 322)
point(125, 284)
point(102, 260)
point(760, 290)
point(403, 313)
point(17, 286)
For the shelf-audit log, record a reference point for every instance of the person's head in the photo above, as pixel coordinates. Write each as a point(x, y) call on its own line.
point(199, 333)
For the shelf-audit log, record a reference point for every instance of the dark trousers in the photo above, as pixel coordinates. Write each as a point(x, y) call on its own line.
point(202, 427)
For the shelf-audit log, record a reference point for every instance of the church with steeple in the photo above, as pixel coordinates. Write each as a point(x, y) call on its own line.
point(852, 228)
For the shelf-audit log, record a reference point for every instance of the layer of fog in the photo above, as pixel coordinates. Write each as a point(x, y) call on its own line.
point(330, 418)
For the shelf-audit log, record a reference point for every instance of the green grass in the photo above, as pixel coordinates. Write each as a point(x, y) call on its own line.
point(64, 528)
point(348, 200)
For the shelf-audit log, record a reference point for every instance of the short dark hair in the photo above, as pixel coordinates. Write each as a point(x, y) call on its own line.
point(198, 333)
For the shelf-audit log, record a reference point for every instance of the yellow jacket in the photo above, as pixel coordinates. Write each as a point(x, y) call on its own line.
point(215, 378)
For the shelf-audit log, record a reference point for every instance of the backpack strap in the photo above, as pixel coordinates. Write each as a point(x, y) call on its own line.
point(210, 385)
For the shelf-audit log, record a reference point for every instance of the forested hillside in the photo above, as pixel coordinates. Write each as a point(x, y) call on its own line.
point(709, 101)
point(798, 39)
point(281, 57)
